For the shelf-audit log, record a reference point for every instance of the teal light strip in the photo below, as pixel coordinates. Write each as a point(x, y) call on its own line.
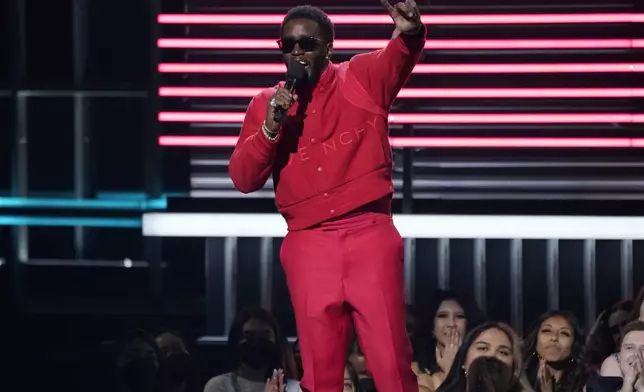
point(86, 204)
point(134, 195)
point(125, 223)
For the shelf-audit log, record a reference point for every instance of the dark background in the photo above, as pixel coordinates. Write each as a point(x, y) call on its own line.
point(59, 319)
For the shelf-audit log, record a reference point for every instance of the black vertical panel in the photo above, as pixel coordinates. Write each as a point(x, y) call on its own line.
point(638, 266)
point(497, 271)
point(118, 43)
point(6, 142)
point(51, 144)
point(608, 274)
point(426, 277)
point(282, 306)
point(116, 143)
point(571, 277)
point(461, 266)
point(49, 48)
point(535, 294)
point(6, 34)
point(215, 288)
point(185, 271)
point(248, 275)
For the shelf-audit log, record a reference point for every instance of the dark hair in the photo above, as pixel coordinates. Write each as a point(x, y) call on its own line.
point(575, 374)
point(142, 335)
point(634, 326)
point(314, 14)
point(353, 375)
point(424, 341)
point(281, 360)
point(637, 304)
point(488, 374)
point(456, 379)
point(600, 342)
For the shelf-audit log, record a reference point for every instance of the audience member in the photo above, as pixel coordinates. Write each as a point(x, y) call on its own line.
point(488, 374)
point(638, 306)
point(438, 336)
point(604, 337)
point(351, 380)
point(256, 354)
point(138, 364)
point(178, 366)
point(553, 354)
point(493, 340)
point(630, 376)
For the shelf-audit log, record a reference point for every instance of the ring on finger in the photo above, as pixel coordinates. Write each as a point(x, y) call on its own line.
point(273, 102)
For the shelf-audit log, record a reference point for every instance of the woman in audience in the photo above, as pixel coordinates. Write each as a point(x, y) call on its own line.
point(638, 306)
point(179, 373)
point(256, 352)
point(553, 354)
point(139, 363)
point(488, 360)
point(438, 336)
point(604, 337)
point(351, 380)
point(631, 364)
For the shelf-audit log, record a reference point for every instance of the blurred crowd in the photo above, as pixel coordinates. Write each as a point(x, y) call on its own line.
point(456, 349)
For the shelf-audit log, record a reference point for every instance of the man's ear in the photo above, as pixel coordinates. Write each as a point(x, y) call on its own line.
point(329, 50)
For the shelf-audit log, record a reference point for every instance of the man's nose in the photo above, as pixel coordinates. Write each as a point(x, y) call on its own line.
point(297, 50)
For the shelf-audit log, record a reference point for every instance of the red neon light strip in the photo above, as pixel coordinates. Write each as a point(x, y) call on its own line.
point(452, 118)
point(369, 44)
point(436, 142)
point(275, 19)
point(277, 68)
point(248, 92)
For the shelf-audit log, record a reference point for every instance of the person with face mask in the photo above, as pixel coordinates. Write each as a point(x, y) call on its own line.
point(138, 364)
point(257, 349)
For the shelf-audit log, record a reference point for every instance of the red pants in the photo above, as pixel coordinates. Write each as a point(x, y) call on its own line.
point(352, 268)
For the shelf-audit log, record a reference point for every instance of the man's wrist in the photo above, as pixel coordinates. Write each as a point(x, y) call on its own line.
point(416, 31)
point(268, 133)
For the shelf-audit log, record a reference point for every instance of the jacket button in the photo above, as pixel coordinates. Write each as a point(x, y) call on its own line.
point(313, 140)
point(313, 111)
point(326, 194)
point(319, 168)
point(332, 212)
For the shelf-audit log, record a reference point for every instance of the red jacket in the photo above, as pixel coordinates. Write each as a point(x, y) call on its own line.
point(333, 154)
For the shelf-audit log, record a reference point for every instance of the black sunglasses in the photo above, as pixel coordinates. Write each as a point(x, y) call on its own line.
point(307, 44)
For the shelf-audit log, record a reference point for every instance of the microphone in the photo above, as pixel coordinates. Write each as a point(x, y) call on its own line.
point(295, 73)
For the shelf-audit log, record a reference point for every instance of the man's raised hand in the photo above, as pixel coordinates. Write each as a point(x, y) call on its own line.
point(405, 15)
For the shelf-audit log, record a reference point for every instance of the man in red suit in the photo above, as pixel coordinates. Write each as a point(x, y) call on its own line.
point(331, 164)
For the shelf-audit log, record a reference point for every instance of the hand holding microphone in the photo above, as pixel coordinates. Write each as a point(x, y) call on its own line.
point(284, 98)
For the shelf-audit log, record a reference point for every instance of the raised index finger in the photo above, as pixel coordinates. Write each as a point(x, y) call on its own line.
point(387, 5)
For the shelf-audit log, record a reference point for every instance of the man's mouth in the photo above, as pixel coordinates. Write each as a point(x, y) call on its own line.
point(304, 63)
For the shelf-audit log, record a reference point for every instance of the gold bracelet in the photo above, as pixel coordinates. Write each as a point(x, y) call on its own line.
point(270, 135)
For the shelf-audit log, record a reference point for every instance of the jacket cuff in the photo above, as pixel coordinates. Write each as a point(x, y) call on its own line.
point(414, 42)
